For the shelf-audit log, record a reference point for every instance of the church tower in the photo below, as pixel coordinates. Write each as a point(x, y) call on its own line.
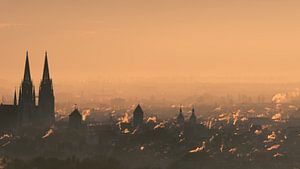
point(26, 101)
point(138, 117)
point(180, 118)
point(46, 95)
point(193, 118)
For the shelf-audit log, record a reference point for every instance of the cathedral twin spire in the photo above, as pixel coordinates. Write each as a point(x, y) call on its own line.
point(180, 117)
point(28, 109)
point(27, 75)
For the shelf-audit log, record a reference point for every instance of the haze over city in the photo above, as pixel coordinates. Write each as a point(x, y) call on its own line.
point(149, 84)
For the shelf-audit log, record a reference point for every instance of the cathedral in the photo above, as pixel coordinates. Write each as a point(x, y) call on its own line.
point(25, 111)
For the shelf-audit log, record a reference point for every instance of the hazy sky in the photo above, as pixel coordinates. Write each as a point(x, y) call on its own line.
point(91, 38)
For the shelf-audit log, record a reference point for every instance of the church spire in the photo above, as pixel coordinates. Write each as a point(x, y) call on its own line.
point(193, 118)
point(180, 118)
point(46, 75)
point(46, 103)
point(15, 98)
point(27, 76)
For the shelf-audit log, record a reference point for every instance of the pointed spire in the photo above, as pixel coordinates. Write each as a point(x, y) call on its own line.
point(180, 112)
point(193, 118)
point(180, 117)
point(46, 75)
point(27, 76)
point(15, 98)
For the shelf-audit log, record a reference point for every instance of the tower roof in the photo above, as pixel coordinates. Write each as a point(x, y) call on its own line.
point(193, 117)
point(180, 116)
point(138, 110)
point(75, 113)
point(27, 76)
point(46, 74)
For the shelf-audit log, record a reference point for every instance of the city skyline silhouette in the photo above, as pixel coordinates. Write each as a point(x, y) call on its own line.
point(149, 84)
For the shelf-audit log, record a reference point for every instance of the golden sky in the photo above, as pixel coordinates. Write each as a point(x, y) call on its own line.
point(91, 38)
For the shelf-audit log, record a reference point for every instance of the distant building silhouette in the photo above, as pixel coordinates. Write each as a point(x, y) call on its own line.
point(24, 111)
point(46, 96)
point(180, 118)
point(27, 107)
point(75, 119)
point(193, 118)
point(138, 117)
point(8, 117)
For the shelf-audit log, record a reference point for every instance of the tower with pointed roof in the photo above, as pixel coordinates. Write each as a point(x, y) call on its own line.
point(75, 119)
point(24, 110)
point(46, 95)
point(193, 118)
point(138, 116)
point(180, 118)
point(27, 108)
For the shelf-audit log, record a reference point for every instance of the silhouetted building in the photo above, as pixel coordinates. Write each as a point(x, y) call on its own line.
point(75, 119)
point(27, 107)
point(193, 118)
point(46, 96)
point(24, 111)
point(138, 117)
point(8, 117)
point(180, 118)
